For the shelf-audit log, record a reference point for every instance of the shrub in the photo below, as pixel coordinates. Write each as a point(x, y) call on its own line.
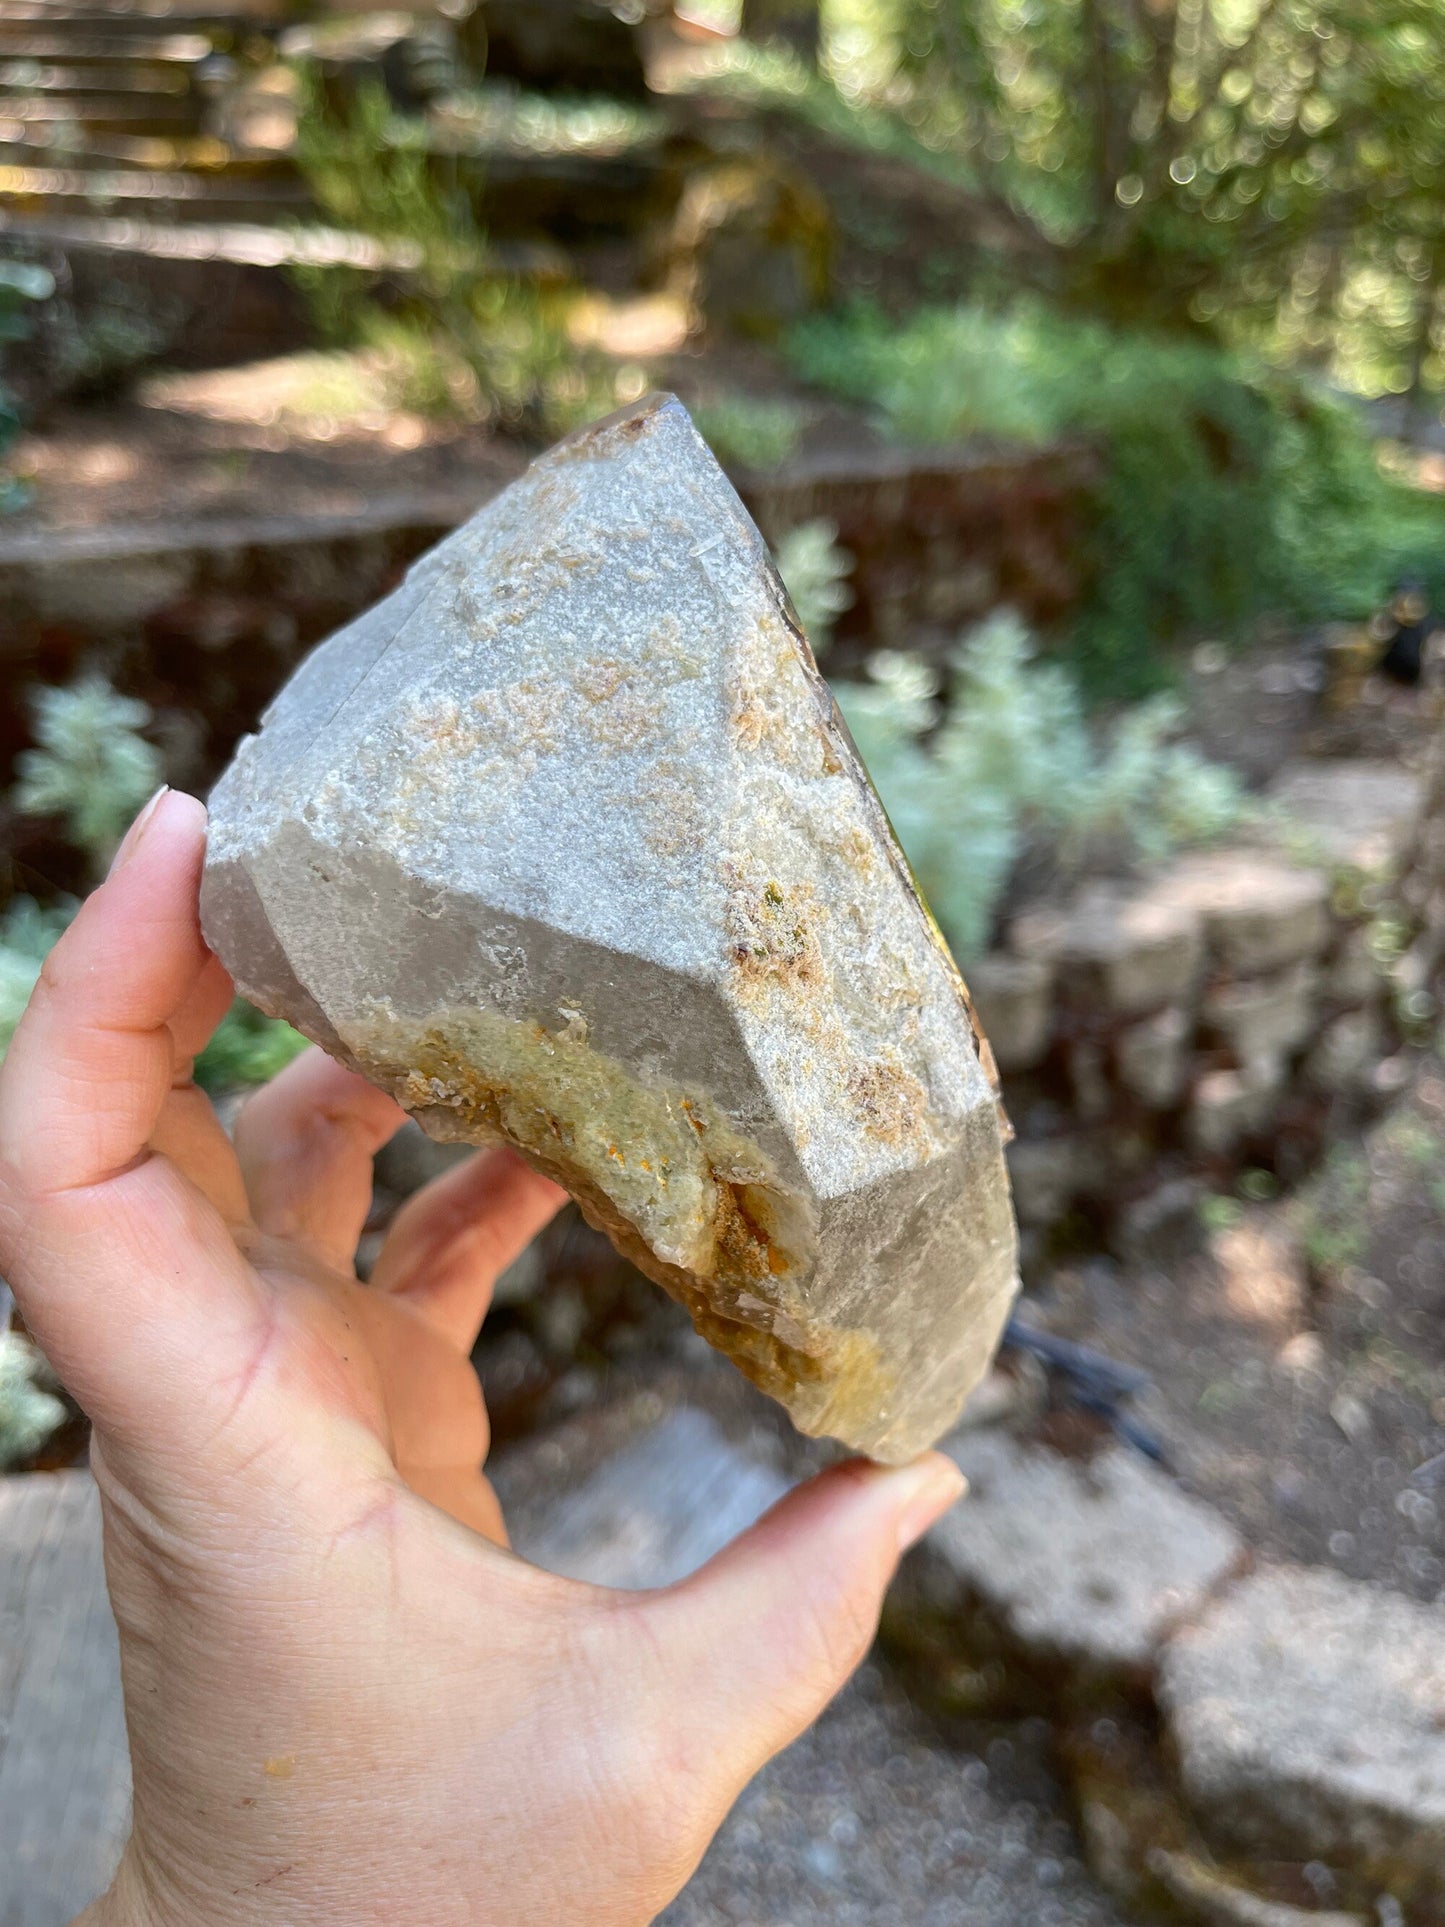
point(746, 431)
point(455, 335)
point(1230, 490)
point(93, 768)
point(248, 1048)
point(22, 285)
point(815, 574)
point(29, 1413)
point(1010, 765)
point(27, 934)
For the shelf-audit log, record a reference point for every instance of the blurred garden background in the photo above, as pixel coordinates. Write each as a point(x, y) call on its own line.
point(1083, 362)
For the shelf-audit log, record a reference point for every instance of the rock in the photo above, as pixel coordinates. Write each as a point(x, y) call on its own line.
point(1259, 914)
point(652, 1512)
point(1346, 1052)
point(751, 245)
point(1264, 1017)
point(1228, 1106)
point(1151, 1058)
point(1049, 1173)
point(565, 845)
point(1120, 951)
point(1080, 1565)
point(1209, 1900)
point(1352, 975)
point(1352, 813)
point(1308, 1716)
point(1014, 1000)
point(1163, 1226)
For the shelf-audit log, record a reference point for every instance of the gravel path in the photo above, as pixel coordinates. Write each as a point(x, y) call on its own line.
point(877, 1818)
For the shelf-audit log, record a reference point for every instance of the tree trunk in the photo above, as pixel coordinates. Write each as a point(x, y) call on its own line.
point(795, 22)
point(1417, 407)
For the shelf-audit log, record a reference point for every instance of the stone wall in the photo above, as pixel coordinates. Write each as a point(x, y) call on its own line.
point(1248, 1745)
point(1156, 1036)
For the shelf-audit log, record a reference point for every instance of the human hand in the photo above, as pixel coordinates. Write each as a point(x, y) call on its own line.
point(347, 1702)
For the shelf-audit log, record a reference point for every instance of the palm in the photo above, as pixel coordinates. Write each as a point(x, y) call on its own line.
point(394, 1354)
point(342, 1704)
point(413, 1385)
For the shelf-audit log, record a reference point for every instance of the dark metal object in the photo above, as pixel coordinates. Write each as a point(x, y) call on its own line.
point(1091, 1381)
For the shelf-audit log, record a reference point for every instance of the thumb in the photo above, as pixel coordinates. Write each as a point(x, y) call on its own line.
point(761, 1638)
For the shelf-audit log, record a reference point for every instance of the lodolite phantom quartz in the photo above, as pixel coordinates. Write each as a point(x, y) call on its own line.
point(565, 845)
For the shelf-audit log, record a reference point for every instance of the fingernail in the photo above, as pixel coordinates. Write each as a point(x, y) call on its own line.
point(131, 841)
point(937, 1484)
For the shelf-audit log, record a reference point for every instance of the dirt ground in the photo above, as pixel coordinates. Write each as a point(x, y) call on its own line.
point(1298, 1363)
point(130, 462)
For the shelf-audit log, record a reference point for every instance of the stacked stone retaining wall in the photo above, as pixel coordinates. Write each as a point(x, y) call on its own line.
point(1156, 1036)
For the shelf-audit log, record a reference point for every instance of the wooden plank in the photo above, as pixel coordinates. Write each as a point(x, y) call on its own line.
point(64, 1773)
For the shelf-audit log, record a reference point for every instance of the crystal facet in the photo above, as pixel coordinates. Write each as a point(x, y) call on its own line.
point(565, 844)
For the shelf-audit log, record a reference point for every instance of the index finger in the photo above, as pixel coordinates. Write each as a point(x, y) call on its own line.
point(125, 1272)
point(92, 1058)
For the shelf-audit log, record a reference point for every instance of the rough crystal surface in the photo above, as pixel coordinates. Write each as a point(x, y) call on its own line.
point(565, 845)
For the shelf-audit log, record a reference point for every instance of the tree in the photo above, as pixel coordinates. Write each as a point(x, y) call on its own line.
point(1168, 161)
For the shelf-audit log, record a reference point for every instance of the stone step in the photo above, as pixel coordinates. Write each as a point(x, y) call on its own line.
point(22, 146)
point(1307, 1715)
point(873, 1817)
point(40, 40)
point(120, 15)
point(145, 78)
point(113, 112)
point(1070, 1572)
point(647, 1514)
point(176, 196)
point(64, 1774)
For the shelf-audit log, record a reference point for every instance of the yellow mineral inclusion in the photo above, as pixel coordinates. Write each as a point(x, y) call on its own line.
point(685, 1195)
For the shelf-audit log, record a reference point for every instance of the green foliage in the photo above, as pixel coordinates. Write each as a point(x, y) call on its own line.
point(27, 934)
point(844, 109)
point(29, 1413)
point(746, 431)
point(93, 767)
point(815, 570)
point(455, 335)
point(1237, 165)
point(498, 117)
point(1230, 489)
point(94, 770)
point(248, 1048)
point(947, 372)
point(22, 285)
point(1218, 1212)
point(1011, 765)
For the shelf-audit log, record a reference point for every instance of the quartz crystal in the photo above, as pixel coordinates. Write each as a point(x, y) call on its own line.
point(565, 845)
